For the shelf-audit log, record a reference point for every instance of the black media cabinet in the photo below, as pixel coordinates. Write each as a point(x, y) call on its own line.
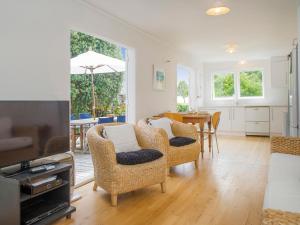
point(17, 206)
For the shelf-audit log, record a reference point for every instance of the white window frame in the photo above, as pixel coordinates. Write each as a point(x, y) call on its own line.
point(214, 98)
point(239, 84)
point(237, 89)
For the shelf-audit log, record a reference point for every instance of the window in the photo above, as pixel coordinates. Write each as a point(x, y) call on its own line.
point(183, 76)
point(248, 83)
point(223, 85)
point(251, 84)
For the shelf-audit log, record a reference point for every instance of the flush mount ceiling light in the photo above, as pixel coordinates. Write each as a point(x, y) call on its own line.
point(218, 9)
point(243, 62)
point(231, 48)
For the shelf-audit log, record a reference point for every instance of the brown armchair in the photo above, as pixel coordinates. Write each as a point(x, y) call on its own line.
point(183, 154)
point(116, 178)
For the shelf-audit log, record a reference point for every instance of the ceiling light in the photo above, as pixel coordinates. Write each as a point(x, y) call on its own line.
point(243, 62)
point(231, 48)
point(218, 9)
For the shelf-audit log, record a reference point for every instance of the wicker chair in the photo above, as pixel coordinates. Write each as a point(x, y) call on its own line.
point(286, 145)
point(116, 178)
point(178, 155)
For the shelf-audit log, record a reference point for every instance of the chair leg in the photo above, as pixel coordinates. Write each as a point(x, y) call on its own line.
point(212, 149)
point(114, 199)
point(163, 187)
point(95, 187)
point(217, 143)
point(168, 171)
point(196, 163)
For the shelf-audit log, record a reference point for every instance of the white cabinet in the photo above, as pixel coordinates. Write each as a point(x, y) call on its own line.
point(258, 128)
point(257, 120)
point(279, 72)
point(238, 119)
point(225, 120)
point(277, 118)
point(257, 114)
point(260, 120)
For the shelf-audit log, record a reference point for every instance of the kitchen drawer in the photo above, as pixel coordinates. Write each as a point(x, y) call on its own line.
point(257, 114)
point(258, 127)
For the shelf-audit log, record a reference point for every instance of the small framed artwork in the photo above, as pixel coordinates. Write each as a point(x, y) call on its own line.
point(159, 78)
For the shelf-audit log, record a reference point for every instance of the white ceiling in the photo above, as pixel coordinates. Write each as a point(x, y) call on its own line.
point(260, 28)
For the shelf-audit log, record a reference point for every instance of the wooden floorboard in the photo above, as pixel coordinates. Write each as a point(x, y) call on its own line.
point(225, 190)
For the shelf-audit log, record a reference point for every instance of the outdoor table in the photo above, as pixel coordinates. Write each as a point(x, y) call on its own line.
point(82, 124)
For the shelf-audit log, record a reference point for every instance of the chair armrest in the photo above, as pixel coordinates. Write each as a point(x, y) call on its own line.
point(286, 145)
point(184, 130)
point(102, 150)
point(150, 137)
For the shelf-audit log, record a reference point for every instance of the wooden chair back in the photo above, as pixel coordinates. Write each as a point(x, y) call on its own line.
point(215, 120)
point(174, 116)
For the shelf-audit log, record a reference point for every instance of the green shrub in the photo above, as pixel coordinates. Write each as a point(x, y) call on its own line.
point(181, 107)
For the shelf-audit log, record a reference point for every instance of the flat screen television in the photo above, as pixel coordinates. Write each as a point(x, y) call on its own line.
point(32, 129)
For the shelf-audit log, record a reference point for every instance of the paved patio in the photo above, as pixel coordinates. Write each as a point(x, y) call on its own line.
point(84, 168)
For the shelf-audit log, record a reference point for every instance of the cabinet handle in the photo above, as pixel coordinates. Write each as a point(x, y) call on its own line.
point(229, 114)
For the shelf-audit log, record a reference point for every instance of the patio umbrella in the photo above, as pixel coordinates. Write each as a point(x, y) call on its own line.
point(93, 63)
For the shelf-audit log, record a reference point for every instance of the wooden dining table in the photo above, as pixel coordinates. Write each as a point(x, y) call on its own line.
point(201, 119)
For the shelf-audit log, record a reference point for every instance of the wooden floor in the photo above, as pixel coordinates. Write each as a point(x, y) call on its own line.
point(225, 190)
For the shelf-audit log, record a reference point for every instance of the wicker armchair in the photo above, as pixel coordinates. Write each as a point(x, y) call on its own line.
point(285, 145)
point(116, 178)
point(178, 155)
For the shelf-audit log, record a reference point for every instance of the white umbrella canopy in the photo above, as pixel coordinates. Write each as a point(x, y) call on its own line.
point(92, 63)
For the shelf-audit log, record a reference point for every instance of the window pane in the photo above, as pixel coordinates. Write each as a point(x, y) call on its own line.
point(223, 85)
point(183, 75)
point(251, 84)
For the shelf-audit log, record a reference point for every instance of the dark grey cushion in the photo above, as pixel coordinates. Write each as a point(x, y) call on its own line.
point(138, 157)
point(181, 141)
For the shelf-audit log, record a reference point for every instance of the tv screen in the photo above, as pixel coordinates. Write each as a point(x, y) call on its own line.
point(32, 129)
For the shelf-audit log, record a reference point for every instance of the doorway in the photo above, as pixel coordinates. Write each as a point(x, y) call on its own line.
point(98, 96)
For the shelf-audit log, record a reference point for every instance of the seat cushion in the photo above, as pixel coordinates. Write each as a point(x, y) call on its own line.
point(283, 189)
point(123, 137)
point(181, 141)
point(138, 157)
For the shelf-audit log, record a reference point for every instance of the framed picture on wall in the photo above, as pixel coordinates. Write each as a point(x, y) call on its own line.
point(159, 78)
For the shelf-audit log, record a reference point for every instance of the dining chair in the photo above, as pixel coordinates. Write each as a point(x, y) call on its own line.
point(215, 120)
point(121, 119)
point(85, 115)
point(105, 120)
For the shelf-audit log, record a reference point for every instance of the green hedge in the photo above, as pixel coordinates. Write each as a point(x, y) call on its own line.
point(181, 107)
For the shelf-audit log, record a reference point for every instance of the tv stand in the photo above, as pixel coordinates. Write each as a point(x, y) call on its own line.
point(40, 206)
point(23, 167)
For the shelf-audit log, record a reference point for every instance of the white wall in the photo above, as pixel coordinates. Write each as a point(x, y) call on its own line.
point(273, 96)
point(35, 54)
